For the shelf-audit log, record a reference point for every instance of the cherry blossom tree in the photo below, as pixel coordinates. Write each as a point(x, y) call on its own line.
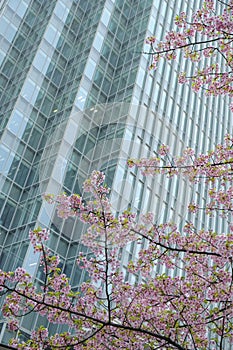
point(201, 38)
point(215, 167)
point(183, 297)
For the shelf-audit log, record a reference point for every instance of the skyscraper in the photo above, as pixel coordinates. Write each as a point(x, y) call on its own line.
point(76, 95)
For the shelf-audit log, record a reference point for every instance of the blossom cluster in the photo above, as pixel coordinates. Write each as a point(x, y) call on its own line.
point(205, 35)
point(183, 295)
point(37, 236)
point(215, 168)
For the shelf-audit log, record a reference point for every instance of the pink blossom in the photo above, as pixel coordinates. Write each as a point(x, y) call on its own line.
point(163, 150)
point(206, 33)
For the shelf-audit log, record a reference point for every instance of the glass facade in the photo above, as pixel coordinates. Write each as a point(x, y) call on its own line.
point(76, 95)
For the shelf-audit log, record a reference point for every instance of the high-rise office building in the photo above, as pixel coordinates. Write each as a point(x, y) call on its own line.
point(76, 95)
